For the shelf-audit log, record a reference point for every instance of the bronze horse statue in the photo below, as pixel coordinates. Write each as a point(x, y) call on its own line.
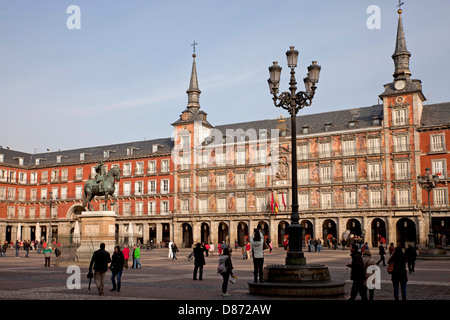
point(105, 188)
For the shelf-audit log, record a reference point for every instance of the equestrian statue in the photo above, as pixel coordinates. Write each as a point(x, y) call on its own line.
point(102, 185)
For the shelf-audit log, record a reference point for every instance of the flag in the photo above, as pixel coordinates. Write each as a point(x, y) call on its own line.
point(271, 203)
point(284, 203)
point(276, 204)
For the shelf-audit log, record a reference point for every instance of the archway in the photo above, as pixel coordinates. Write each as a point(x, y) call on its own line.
point(205, 236)
point(282, 232)
point(152, 233)
point(406, 233)
point(308, 232)
point(223, 233)
point(264, 229)
point(354, 226)
point(329, 231)
point(242, 233)
point(378, 232)
point(187, 236)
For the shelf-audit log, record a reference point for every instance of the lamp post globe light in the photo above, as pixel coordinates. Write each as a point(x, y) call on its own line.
point(293, 101)
point(428, 182)
point(295, 277)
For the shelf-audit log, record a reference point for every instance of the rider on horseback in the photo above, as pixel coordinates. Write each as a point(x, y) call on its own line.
point(101, 171)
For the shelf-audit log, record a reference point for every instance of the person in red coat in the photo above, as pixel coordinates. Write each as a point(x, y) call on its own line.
point(126, 256)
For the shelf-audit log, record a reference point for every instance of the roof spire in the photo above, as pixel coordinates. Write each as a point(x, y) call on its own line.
point(401, 55)
point(193, 91)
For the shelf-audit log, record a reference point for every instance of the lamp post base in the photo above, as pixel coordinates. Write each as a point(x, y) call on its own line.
point(295, 254)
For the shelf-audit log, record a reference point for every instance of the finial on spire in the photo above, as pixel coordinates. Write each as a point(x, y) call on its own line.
point(400, 3)
point(194, 44)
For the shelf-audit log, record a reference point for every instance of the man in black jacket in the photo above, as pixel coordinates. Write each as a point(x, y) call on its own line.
point(382, 252)
point(358, 274)
point(99, 263)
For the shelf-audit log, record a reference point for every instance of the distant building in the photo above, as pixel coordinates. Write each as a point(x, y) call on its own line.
point(357, 176)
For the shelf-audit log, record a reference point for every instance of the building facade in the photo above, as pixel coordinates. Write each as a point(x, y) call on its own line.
point(357, 176)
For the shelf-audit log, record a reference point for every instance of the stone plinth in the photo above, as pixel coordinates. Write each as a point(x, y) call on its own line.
point(433, 254)
point(308, 280)
point(96, 227)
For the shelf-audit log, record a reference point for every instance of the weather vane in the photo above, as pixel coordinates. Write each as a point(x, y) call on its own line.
point(400, 3)
point(194, 44)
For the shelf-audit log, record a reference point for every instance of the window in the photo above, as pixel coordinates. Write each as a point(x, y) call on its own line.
point(139, 211)
point(325, 174)
point(139, 188)
point(440, 197)
point(78, 192)
point(164, 165)
point(220, 159)
point(32, 212)
point(305, 130)
point(3, 175)
point(164, 207)
point(152, 166)
point(221, 182)
point(42, 212)
point(22, 177)
point(33, 177)
point(33, 195)
point(375, 198)
point(106, 154)
point(324, 149)
point(185, 206)
point(79, 174)
point(221, 205)
point(401, 143)
point(2, 158)
point(240, 204)
point(374, 171)
point(43, 194)
point(2, 193)
point(82, 156)
point(139, 168)
point(373, 145)
point(303, 176)
point(261, 204)
point(63, 193)
point(184, 184)
point(352, 124)
point(262, 154)
point(127, 169)
point(152, 187)
point(303, 201)
point(401, 170)
point(58, 159)
point(240, 180)
point(151, 207)
point(203, 205)
point(164, 186)
point(54, 176)
point(64, 174)
point(350, 199)
point(126, 208)
point(185, 142)
point(438, 168)
point(303, 151)
point(399, 117)
point(402, 198)
point(261, 179)
point(127, 188)
point(21, 195)
point(21, 213)
point(326, 200)
point(350, 172)
point(203, 183)
point(437, 143)
point(240, 157)
point(37, 162)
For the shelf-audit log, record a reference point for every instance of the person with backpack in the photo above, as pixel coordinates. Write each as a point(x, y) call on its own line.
point(47, 255)
point(257, 241)
point(368, 261)
point(225, 269)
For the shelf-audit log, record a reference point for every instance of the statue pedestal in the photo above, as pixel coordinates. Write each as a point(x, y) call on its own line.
point(96, 227)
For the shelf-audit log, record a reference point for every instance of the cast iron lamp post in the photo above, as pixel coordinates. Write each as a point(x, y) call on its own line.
point(428, 183)
point(50, 235)
point(293, 101)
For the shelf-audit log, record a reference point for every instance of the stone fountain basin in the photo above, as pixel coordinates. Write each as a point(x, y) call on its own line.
point(296, 273)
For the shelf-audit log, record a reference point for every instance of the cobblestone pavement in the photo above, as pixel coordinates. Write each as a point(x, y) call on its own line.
point(163, 279)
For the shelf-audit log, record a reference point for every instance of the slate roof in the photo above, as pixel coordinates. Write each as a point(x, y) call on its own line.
point(436, 114)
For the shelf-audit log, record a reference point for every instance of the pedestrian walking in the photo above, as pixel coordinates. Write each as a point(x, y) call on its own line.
point(17, 247)
point(137, 257)
point(391, 249)
point(170, 250)
point(174, 251)
point(26, 247)
point(247, 249)
point(357, 274)
point(382, 253)
point(228, 270)
point(270, 247)
point(199, 261)
point(4, 248)
point(411, 256)
point(206, 247)
point(126, 256)
point(47, 255)
point(368, 261)
point(399, 275)
point(116, 267)
point(257, 241)
point(99, 263)
point(211, 249)
point(57, 254)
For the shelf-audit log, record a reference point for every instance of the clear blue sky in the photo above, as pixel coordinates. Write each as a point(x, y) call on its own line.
point(123, 76)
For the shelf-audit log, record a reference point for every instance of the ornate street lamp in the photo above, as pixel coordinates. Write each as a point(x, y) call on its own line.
point(293, 101)
point(428, 183)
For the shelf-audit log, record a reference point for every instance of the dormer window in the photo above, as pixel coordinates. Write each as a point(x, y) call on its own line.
point(305, 129)
point(58, 159)
point(352, 124)
point(376, 121)
point(37, 161)
point(327, 126)
point(106, 154)
point(2, 158)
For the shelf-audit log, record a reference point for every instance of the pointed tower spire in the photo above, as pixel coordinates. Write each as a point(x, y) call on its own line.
point(401, 55)
point(193, 91)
